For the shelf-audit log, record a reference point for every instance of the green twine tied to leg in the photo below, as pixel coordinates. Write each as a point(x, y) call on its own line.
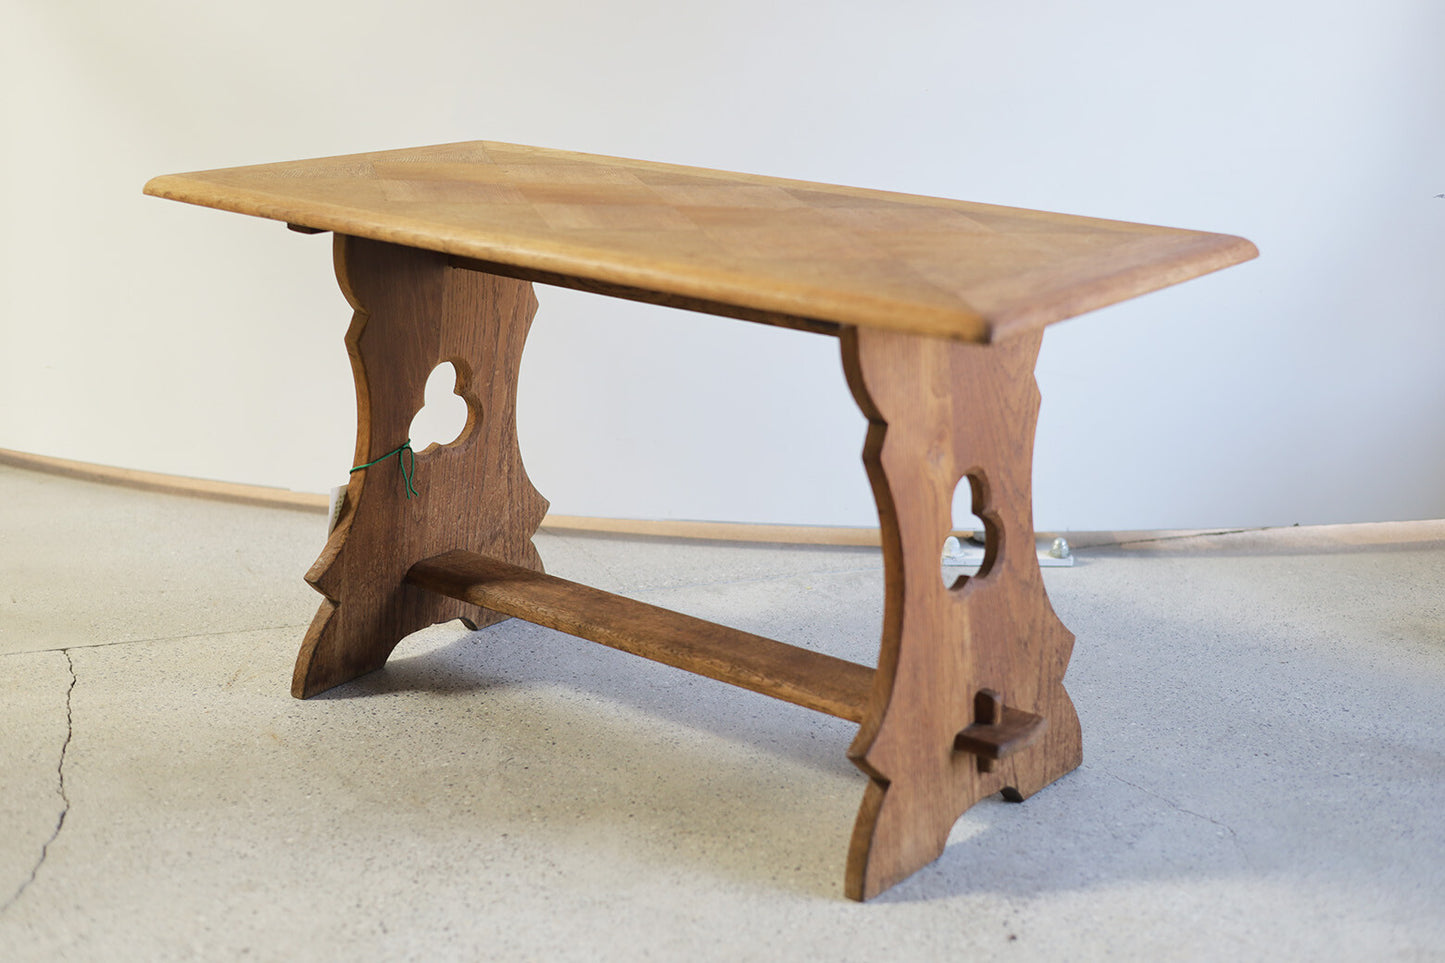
point(407, 470)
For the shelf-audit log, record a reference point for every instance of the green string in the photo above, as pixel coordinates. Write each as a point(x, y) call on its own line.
point(407, 470)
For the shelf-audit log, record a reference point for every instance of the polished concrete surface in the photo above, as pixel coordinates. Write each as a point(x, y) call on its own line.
point(1264, 771)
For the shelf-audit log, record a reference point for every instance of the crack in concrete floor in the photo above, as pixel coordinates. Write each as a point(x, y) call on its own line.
point(295, 627)
point(1233, 836)
point(60, 788)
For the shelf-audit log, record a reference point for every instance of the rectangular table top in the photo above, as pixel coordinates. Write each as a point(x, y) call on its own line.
point(737, 244)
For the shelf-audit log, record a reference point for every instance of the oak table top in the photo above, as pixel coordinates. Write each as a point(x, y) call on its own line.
point(763, 248)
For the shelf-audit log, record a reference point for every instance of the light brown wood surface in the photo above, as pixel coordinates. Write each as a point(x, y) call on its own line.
point(414, 312)
point(767, 249)
point(800, 676)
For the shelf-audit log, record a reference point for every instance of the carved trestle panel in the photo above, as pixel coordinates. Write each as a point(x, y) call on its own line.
point(415, 311)
point(941, 411)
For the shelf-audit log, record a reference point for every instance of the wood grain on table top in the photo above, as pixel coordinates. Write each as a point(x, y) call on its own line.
point(714, 240)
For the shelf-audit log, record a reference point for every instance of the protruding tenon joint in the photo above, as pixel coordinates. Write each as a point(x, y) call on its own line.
point(998, 731)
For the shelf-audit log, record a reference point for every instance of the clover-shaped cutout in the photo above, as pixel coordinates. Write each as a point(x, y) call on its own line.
point(442, 419)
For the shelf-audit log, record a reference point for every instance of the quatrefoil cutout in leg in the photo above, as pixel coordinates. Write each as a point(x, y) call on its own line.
point(972, 513)
point(450, 410)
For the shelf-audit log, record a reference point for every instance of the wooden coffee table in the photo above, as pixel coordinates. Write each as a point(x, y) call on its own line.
point(938, 306)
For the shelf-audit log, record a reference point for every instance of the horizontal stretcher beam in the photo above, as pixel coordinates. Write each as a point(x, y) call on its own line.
point(800, 676)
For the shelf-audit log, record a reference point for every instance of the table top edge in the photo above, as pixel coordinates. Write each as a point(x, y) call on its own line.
point(1176, 255)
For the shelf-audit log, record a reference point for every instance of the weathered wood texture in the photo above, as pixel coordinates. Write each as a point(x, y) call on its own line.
point(806, 678)
point(940, 412)
point(767, 249)
point(413, 312)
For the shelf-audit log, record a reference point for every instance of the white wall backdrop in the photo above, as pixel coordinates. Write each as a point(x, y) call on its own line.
point(1307, 386)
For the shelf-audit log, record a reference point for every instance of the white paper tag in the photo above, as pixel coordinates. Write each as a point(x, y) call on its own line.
point(338, 498)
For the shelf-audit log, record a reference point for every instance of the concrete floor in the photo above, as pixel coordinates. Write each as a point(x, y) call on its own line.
point(1264, 759)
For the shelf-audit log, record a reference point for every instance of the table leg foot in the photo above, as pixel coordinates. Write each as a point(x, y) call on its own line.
point(968, 699)
point(415, 311)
